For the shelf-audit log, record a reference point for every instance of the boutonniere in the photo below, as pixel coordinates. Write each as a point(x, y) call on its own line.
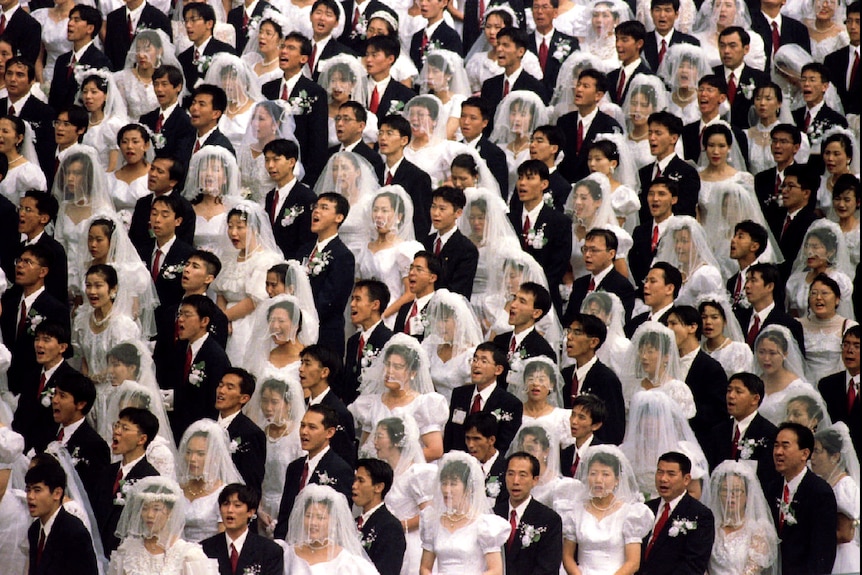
point(76, 458)
point(548, 199)
point(318, 263)
point(368, 355)
point(673, 176)
point(252, 570)
point(323, 478)
point(291, 213)
point(785, 509)
point(395, 107)
point(361, 27)
point(197, 373)
point(530, 534)
point(369, 539)
point(301, 103)
point(237, 446)
point(502, 415)
point(681, 526)
point(536, 238)
point(123, 491)
point(203, 64)
point(172, 271)
point(746, 447)
point(493, 486)
point(432, 45)
point(817, 129)
point(46, 397)
point(516, 360)
point(34, 318)
point(747, 90)
point(562, 51)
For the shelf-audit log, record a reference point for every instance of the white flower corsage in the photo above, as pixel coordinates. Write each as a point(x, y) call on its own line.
point(301, 103)
point(291, 213)
point(172, 271)
point(368, 355)
point(323, 478)
point(746, 447)
point(369, 539)
point(785, 510)
point(493, 487)
point(747, 90)
point(34, 318)
point(502, 415)
point(76, 458)
point(681, 526)
point(536, 238)
point(234, 445)
point(548, 199)
point(46, 397)
point(395, 107)
point(122, 492)
point(318, 263)
point(564, 48)
point(252, 570)
point(197, 373)
point(530, 534)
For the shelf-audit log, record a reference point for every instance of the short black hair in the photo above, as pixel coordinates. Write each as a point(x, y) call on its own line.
point(342, 205)
point(854, 330)
point(331, 4)
point(244, 494)
point(377, 291)
point(54, 329)
point(534, 463)
point(554, 135)
point(90, 15)
point(218, 95)
point(516, 35)
point(534, 168)
point(327, 357)
point(757, 233)
point(20, 61)
point(330, 417)
point(592, 404)
point(744, 36)
point(389, 45)
point(379, 470)
point(804, 436)
point(45, 203)
point(202, 9)
point(80, 387)
point(432, 262)
point(172, 73)
point(844, 183)
point(776, 89)
point(78, 117)
point(282, 147)
point(247, 381)
point(819, 68)
point(808, 179)
point(611, 240)
point(714, 81)
point(716, 129)
point(483, 422)
point(451, 195)
point(177, 171)
point(592, 326)
point(358, 109)
point(144, 419)
point(126, 353)
point(481, 105)
point(828, 282)
point(171, 201)
point(671, 276)
point(853, 7)
point(134, 127)
point(398, 123)
point(40, 253)
point(670, 121)
point(657, 3)
point(210, 260)
point(600, 79)
point(679, 458)
point(204, 306)
point(794, 132)
point(47, 471)
point(497, 354)
point(631, 29)
point(688, 315)
point(752, 383)
point(541, 296)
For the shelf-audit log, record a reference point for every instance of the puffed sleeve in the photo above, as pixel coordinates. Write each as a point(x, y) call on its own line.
point(681, 394)
point(109, 134)
point(638, 522)
point(493, 532)
point(431, 413)
point(568, 489)
point(406, 251)
point(361, 410)
point(625, 201)
point(737, 358)
point(570, 513)
point(160, 456)
point(33, 179)
point(195, 562)
point(429, 522)
point(624, 242)
point(11, 447)
point(255, 285)
point(847, 498)
point(421, 482)
point(707, 279)
point(5, 358)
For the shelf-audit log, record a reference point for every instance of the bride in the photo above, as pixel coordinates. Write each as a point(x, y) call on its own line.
point(686, 248)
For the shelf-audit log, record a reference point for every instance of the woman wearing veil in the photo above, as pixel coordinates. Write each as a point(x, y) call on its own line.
point(353, 177)
point(683, 67)
point(428, 142)
point(129, 182)
point(604, 528)
point(723, 339)
point(277, 407)
point(721, 161)
point(212, 187)
point(787, 64)
point(481, 60)
point(398, 382)
point(541, 392)
point(646, 95)
point(517, 116)
point(655, 426)
point(390, 247)
point(823, 251)
point(24, 173)
point(825, 22)
point(779, 365)
point(770, 110)
point(222, 31)
point(452, 334)
point(807, 407)
point(241, 285)
point(841, 157)
point(396, 441)
point(106, 106)
point(264, 41)
point(444, 76)
point(610, 155)
point(468, 171)
point(823, 327)
point(269, 121)
point(282, 327)
point(460, 535)
point(321, 537)
point(14, 518)
point(151, 530)
point(591, 205)
point(344, 79)
point(54, 19)
point(608, 308)
point(834, 459)
point(716, 15)
point(653, 365)
point(845, 206)
point(242, 89)
point(204, 467)
point(685, 247)
point(541, 440)
point(745, 537)
point(151, 49)
point(596, 30)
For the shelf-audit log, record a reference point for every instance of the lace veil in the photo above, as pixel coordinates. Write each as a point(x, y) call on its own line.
point(610, 455)
point(214, 465)
point(787, 346)
point(321, 517)
point(158, 40)
point(402, 434)
point(652, 356)
point(540, 371)
point(160, 496)
point(451, 321)
point(277, 401)
point(283, 318)
point(451, 65)
point(402, 363)
point(464, 468)
point(518, 115)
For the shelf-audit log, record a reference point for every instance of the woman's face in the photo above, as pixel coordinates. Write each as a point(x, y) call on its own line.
point(396, 372)
point(686, 75)
point(340, 87)
point(726, 12)
point(213, 177)
point(383, 444)
point(263, 125)
point(597, 161)
point(377, 27)
point(585, 205)
point(538, 385)
point(713, 322)
point(767, 105)
point(92, 97)
point(386, 219)
point(822, 463)
point(770, 357)
point(195, 456)
point(602, 20)
point(147, 56)
point(602, 480)
point(463, 179)
point(274, 285)
point(822, 301)
point(421, 121)
point(98, 243)
point(280, 326)
point(845, 204)
point(9, 138)
point(640, 107)
point(118, 372)
point(683, 247)
point(438, 81)
point(446, 327)
point(273, 406)
point(596, 309)
point(493, 24)
point(316, 522)
point(825, 9)
point(75, 184)
point(97, 291)
point(520, 118)
point(268, 39)
point(836, 159)
point(797, 412)
point(651, 359)
point(232, 86)
point(513, 279)
point(237, 231)
point(454, 492)
point(155, 515)
point(733, 496)
point(717, 149)
point(344, 174)
point(533, 446)
point(477, 219)
point(133, 147)
point(817, 256)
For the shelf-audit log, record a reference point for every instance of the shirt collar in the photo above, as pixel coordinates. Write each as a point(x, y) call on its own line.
point(587, 120)
point(474, 142)
point(793, 484)
point(319, 399)
point(127, 468)
point(533, 214)
point(485, 393)
point(166, 248)
point(237, 543)
point(313, 462)
point(49, 373)
point(19, 105)
point(520, 509)
point(69, 430)
point(249, 10)
point(203, 138)
point(546, 37)
point(430, 29)
point(350, 147)
point(225, 422)
point(816, 110)
point(848, 379)
point(393, 169)
point(284, 193)
point(600, 277)
point(80, 53)
point(423, 301)
point(770, 20)
point(203, 46)
point(169, 110)
point(662, 164)
point(35, 240)
point(657, 314)
point(486, 467)
point(367, 515)
point(197, 344)
point(31, 299)
point(46, 527)
point(513, 78)
point(11, 12)
point(659, 38)
point(715, 120)
point(445, 237)
point(737, 73)
point(367, 333)
point(321, 244)
point(135, 14)
point(582, 370)
point(672, 503)
point(582, 450)
point(519, 337)
point(290, 83)
point(381, 86)
point(762, 314)
point(745, 422)
point(630, 68)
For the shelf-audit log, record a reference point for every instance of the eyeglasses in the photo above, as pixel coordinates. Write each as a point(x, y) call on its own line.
point(122, 427)
point(573, 332)
point(480, 360)
point(789, 186)
point(192, 20)
point(782, 141)
point(29, 262)
point(61, 123)
point(592, 251)
point(345, 119)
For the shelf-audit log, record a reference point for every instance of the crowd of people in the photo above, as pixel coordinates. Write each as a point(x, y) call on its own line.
point(415, 287)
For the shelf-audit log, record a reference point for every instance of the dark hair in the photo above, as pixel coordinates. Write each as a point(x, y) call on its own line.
point(605, 458)
point(389, 45)
point(505, 16)
point(757, 233)
point(244, 494)
point(358, 109)
point(171, 201)
point(466, 162)
point(537, 431)
point(631, 29)
point(555, 137)
point(202, 9)
point(177, 172)
point(844, 183)
point(592, 326)
point(516, 35)
point(377, 291)
point(497, 355)
point(99, 82)
point(854, 330)
point(90, 15)
point(482, 105)
point(126, 353)
point(853, 8)
point(394, 427)
point(679, 458)
point(688, 315)
point(247, 381)
point(794, 132)
point(280, 270)
point(611, 241)
point(842, 139)
point(49, 472)
point(54, 329)
point(607, 148)
point(210, 260)
point(769, 273)
point(828, 282)
point(144, 419)
point(330, 417)
point(534, 168)
point(752, 383)
point(40, 253)
point(776, 89)
point(204, 306)
point(670, 121)
point(486, 424)
point(830, 438)
point(541, 296)
point(379, 470)
point(173, 74)
point(106, 271)
point(657, 3)
point(20, 61)
point(45, 203)
point(398, 123)
point(534, 463)
point(435, 266)
point(304, 43)
point(592, 404)
point(804, 436)
point(808, 179)
point(451, 195)
point(456, 469)
point(342, 206)
point(326, 356)
point(219, 98)
point(701, 308)
point(816, 67)
point(743, 35)
point(20, 127)
point(139, 128)
point(671, 276)
point(78, 117)
point(80, 387)
point(716, 129)
point(107, 225)
point(282, 147)
point(331, 4)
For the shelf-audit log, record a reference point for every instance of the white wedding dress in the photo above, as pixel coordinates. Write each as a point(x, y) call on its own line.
point(847, 497)
point(202, 517)
point(345, 563)
point(742, 551)
point(181, 558)
point(462, 552)
point(430, 410)
point(411, 489)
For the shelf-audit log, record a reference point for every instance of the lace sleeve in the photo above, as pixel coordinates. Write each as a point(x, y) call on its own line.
point(428, 525)
point(160, 457)
point(761, 552)
point(681, 394)
point(569, 515)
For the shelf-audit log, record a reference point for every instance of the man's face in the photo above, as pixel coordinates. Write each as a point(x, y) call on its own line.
point(597, 257)
point(850, 353)
point(656, 291)
point(419, 277)
point(5, 55)
point(522, 312)
point(479, 446)
point(125, 437)
point(166, 93)
point(190, 325)
point(660, 201)
point(77, 30)
point(531, 188)
point(509, 54)
point(732, 50)
point(520, 480)
point(664, 17)
point(661, 141)
point(324, 216)
point(159, 177)
point(17, 82)
point(28, 271)
point(377, 62)
point(783, 149)
point(443, 214)
point(852, 24)
point(311, 372)
point(64, 407)
point(813, 87)
point(42, 501)
point(65, 133)
point(483, 370)
point(30, 221)
point(290, 57)
point(709, 98)
point(49, 350)
point(739, 400)
point(323, 21)
point(364, 491)
point(202, 114)
point(313, 435)
point(163, 220)
point(586, 94)
point(197, 29)
point(235, 514)
point(541, 149)
point(581, 424)
point(741, 245)
point(390, 141)
point(680, 330)
point(432, 10)
point(789, 459)
point(362, 309)
point(628, 49)
point(279, 168)
point(472, 123)
point(347, 128)
point(792, 194)
point(543, 15)
point(670, 481)
point(578, 343)
point(229, 395)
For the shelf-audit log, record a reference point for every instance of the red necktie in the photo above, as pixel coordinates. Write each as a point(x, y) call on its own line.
point(159, 123)
point(71, 69)
point(662, 52)
point(284, 92)
point(414, 310)
point(784, 499)
point(313, 253)
point(526, 229)
point(61, 434)
point(197, 55)
point(375, 101)
point(807, 120)
point(580, 141)
point(735, 447)
point(752, 333)
point(22, 322)
point(621, 84)
point(657, 171)
point(197, 146)
point(42, 382)
point(575, 463)
point(512, 345)
point(187, 367)
point(2, 23)
point(575, 385)
point(157, 265)
point(117, 480)
point(513, 522)
point(786, 225)
point(361, 347)
point(481, 10)
point(131, 30)
point(851, 396)
point(505, 87)
point(388, 179)
point(425, 41)
point(274, 209)
point(303, 479)
point(592, 286)
point(234, 558)
point(313, 58)
point(738, 288)
point(360, 521)
point(658, 527)
point(12, 111)
point(477, 404)
point(731, 88)
point(244, 20)
point(776, 38)
point(853, 71)
point(777, 191)
point(543, 54)
point(355, 22)
point(41, 545)
point(438, 245)
point(654, 240)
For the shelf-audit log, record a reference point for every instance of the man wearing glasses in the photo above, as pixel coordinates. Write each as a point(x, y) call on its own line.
point(349, 125)
point(797, 214)
point(786, 141)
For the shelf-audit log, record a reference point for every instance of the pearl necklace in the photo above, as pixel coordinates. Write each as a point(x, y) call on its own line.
point(603, 509)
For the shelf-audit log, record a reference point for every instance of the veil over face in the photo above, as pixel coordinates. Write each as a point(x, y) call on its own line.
point(541, 441)
point(541, 374)
point(81, 180)
point(402, 364)
point(396, 440)
point(213, 171)
point(518, 115)
point(425, 116)
point(451, 322)
point(776, 348)
point(277, 321)
point(646, 94)
point(444, 71)
point(389, 210)
point(460, 488)
point(600, 458)
point(343, 76)
point(155, 507)
point(204, 454)
point(277, 401)
point(683, 66)
point(151, 48)
point(652, 356)
point(321, 517)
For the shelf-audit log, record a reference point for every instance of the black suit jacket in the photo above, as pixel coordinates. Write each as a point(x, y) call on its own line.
point(825, 119)
point(216, 138)
point(63, 86)
point(443, 37)
point(166, 336)
point(553, 65)
point(332, 48)
point(69, 539)
point(40, 116)
point(384, 541)
point(236, 18)
point(393, 99)
point(718, 446)
point(614, 79)
point(337, 471)
point(574, 165)
point(190, 68)
point(790, 241)
point(492, 91)
point(459, 258)
point(497, 475)
point(417, 183)
point(363, 150)
point(651, 49)
point(106, 509)
point(533, 345)
point(331, 288)
point(256, 551)
point(639, 320)
point(9, 239)
point(499, 402)
point(401, 320)
point(833, 388)
point(613, 283)
point(193, 401)
point(139, 229)
point(692, 145)
point(169, 282)
point(348, 387)
point(791, 31)
point(687, 553)
point(56, 282)
point(808, 546)
point(93, 455)
point(117, 41)
point(25, 33)
point(542, 557)
point(687, 179)
point(250, 454)
point(741, 104)
point(495, 159)
point(567, 456)
point(776, 317)
point(708, 383)
point(354, 38)
point(602, 382)
point(473, 22)
point(312, 124)
point(344, 441)
point(23, 354)
point(560, 190)
point(839, 61)
point(34, 421)
point(764, 188)
point(179, 136)
point(291, 235)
